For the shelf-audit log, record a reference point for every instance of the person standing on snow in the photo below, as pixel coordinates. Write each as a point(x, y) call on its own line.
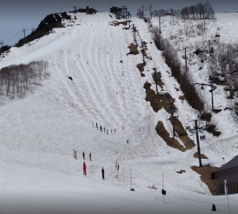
point(83, 155)
point(97, 125)
point(75, 154)
point(103, 173)
point(84, 168)
point(90, 156)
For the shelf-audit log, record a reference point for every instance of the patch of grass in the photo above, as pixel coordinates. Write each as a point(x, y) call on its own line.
point(133, 49)
point(205, 173)
point(162, 132)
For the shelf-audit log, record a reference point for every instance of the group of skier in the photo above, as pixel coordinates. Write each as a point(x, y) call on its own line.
point(103, 129)
point(99, 127)
point(84, 164)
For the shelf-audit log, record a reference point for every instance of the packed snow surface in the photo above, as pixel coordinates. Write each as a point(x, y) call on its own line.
point(39, 132)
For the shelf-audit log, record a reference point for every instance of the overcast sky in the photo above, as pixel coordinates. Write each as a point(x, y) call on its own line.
point(27, 14)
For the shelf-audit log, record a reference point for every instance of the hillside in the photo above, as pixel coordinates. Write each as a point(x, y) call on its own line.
point(40, 129)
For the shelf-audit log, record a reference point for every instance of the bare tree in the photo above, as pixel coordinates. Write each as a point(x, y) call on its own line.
point(16, 78)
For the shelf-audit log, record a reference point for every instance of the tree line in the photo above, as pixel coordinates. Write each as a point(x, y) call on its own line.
point(199, 11)
point(15, 79)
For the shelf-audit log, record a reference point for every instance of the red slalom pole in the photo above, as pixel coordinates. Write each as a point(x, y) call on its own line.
point(163, 184)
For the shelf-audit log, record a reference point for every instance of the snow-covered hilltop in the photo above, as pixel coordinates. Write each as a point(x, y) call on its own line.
point(38, 131)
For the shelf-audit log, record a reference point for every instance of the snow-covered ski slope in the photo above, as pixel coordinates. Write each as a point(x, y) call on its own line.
point(39, 132)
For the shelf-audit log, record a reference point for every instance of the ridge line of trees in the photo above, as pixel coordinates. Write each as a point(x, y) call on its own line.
point(199, 12)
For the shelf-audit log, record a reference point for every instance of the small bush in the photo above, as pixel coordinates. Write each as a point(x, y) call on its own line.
point(212, 129)
point(206, 117)
point(198, 51)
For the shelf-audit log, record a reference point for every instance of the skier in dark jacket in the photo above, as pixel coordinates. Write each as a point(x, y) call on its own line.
point(103, 173)
point(83, 156)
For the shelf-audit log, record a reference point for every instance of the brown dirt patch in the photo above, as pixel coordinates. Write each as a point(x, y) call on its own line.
point(211, 128)
point(163, 101)
point(202, 156)
point(188, 143)
point(158, 79)
point(162, 132)
point(205, 173)
point(152, 98)
point(144, 53)
point(133, 49)
point(178, 127)
point(141, 67)
point(182, 134)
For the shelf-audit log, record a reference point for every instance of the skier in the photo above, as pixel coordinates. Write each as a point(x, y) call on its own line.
point(111, 131)
point(84, 168)
point(103, 173)
point(104, 129)
point(90, 156)
point(115, 130)
point(75, 154)
point(83, 155)
point(107, 131)
point(96, 125)
point(117, 166)
point(100, 128)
